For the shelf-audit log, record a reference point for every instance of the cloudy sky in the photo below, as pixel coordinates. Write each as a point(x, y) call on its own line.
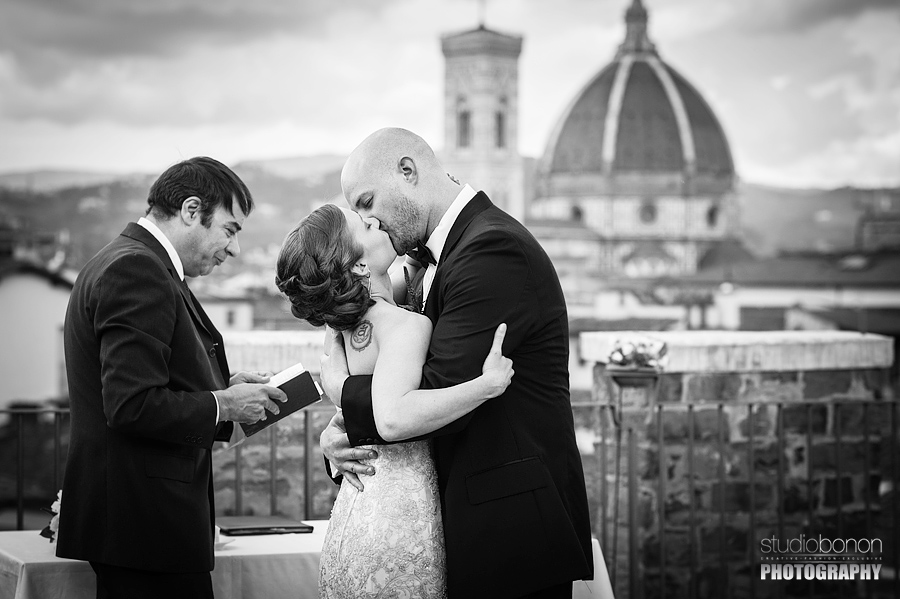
point(808, 91)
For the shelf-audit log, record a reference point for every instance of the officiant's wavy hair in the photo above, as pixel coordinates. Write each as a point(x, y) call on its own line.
point(315, 271)
point(206, 178)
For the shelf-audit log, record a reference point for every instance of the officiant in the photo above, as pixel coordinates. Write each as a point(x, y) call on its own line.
point(150, 391)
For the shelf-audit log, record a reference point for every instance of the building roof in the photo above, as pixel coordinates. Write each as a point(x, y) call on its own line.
point(729, 251)
point(581, 325)
point(884, 321)
point(14, 266)
point(561, 229)
point(638, 115)
point(848, 269)
point(481, 41)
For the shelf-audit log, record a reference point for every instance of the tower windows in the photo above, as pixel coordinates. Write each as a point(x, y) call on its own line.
point(712, 216)
point(647, 212)
point(463, 123)
point(577, 213)
point(500, 124)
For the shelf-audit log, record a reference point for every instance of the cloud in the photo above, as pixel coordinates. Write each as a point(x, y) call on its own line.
point(48, 39)
point(869, 161)
point(104, 28)
point(811, 81)
point(780, 16)
point(196, 73)
point(779, 82)
point(810, 13)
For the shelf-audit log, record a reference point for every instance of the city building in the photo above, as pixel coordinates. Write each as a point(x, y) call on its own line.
point(481, 107)
point(32, 361)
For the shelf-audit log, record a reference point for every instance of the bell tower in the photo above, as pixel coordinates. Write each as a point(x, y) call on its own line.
point(481, 114)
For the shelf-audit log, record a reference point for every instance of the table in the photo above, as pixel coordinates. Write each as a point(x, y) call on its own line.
point(251, 567)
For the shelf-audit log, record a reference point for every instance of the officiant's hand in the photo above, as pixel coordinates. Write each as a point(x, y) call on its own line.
point(334, 371)
point(248, 402)
point(256, 376)
point(345, 459)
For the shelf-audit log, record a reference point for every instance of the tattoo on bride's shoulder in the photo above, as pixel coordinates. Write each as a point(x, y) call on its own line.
point(362, 336)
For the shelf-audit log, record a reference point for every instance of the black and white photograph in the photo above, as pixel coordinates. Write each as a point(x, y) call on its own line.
point(450, 299)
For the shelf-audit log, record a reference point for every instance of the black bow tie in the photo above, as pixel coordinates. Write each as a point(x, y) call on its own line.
point(422, 255)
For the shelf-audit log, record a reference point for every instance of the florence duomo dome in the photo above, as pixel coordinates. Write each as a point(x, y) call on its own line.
point(640, 160)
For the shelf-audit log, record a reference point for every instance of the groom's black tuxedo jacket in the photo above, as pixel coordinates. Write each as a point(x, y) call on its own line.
point(141, 359)
point(512, 488)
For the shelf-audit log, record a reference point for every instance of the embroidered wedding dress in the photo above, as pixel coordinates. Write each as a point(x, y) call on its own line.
point(387, 541)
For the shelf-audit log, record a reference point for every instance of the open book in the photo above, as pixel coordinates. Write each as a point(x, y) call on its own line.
point(301, 391)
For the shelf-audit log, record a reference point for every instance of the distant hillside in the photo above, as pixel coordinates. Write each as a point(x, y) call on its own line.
point(93, 207)
point(54, 180)
point(298, 167)
point(93, 213)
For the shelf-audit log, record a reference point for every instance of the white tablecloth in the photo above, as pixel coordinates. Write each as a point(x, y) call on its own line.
point(251, 567)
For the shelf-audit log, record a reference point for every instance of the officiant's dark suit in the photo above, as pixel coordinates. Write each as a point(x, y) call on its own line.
point(143, 361)
point(512, 488)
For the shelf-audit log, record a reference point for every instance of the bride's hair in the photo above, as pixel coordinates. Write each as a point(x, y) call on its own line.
point(314, 271)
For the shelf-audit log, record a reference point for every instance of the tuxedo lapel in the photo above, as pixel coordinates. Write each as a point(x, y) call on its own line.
point(478, 204)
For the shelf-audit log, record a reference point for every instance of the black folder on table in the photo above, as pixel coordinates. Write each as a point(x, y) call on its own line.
point(301, 391)
point(234, 526)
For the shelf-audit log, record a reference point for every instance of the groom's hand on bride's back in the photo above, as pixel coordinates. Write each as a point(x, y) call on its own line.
point(247, 398)
point(343, 457)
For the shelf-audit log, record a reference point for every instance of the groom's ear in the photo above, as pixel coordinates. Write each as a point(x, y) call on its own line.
point(408, 170)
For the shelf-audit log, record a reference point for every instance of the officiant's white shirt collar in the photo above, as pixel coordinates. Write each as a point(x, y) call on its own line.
point(438, 237)
point(164, 241)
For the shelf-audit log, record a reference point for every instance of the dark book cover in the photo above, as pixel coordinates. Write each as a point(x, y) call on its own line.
point(301, 391)
point(235, 526)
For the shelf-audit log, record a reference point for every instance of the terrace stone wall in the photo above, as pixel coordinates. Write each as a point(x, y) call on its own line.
point(741, 436)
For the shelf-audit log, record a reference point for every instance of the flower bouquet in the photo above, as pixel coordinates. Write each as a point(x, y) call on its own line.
point(52, 528)
point(638, 352)
point(636, 361)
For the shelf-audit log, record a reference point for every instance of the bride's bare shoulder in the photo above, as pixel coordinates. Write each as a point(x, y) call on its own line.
point(404, 322)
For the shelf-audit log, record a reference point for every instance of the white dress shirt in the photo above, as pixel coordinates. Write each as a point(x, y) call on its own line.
point(164, 241)
point(438, 237)
point(176, 262)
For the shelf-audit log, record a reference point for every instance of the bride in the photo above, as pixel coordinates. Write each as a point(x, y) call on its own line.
point(385, 539)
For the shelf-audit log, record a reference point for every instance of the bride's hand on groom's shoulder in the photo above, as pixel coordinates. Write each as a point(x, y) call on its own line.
point(497, 370)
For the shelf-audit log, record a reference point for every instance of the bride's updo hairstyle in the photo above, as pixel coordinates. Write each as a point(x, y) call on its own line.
point(314, 271)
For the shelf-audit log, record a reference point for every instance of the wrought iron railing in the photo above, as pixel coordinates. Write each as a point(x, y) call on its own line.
point(622, 475)
point(26, 425)
point(16, 436)
point(617, 456)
